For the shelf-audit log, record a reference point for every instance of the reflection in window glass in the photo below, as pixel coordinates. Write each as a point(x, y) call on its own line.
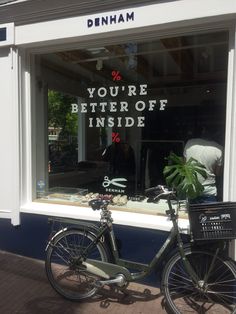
point(114, 113)
point(62, 133)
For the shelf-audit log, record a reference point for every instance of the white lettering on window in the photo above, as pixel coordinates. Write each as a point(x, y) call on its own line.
point(102, 92)
point(152, 104)
point(131, 90)
point(123, 106)
point(113, 106)
point(163, 103)
point(140, 105)
point(83, 107)
point(143, 89)
point(93, 105)
point(141, 122)
point(129, 122)
point(114, 90)
point(91, 91)
point(74, 108)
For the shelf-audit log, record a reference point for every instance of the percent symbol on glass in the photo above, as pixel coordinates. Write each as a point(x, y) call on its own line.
point(115, 137)
point(116, 75)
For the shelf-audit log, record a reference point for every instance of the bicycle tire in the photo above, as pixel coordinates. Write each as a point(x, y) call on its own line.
point(218, 294)
point(63, 268)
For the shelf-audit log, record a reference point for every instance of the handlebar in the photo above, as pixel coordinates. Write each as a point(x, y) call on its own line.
point(160, 191)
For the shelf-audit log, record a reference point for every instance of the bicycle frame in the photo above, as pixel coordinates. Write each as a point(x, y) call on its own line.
point(121, 266)
point(143, 269)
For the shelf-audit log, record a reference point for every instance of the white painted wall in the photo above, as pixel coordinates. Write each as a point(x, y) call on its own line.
point(9, 136)
point(163, 14)
point(41, 125)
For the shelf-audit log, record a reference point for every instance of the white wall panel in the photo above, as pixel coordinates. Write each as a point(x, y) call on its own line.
point(9, 136)
point(160, 14)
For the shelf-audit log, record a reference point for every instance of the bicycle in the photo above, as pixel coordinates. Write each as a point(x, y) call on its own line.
point(81, 260)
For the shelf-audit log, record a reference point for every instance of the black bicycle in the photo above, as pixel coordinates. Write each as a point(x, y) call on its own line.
point(82, 259)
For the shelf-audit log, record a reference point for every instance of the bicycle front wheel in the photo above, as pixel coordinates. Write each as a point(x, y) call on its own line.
point(64, 267)
point(214, 293)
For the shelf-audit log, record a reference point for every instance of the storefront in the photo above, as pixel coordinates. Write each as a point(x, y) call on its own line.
point(95, 97)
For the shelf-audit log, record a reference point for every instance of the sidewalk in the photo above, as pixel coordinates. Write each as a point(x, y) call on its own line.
point(24, 289)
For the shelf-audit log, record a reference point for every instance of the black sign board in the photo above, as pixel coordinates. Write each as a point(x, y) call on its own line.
point(3, 34)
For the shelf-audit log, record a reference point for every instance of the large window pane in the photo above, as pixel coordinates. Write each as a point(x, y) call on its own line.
point(114, 113)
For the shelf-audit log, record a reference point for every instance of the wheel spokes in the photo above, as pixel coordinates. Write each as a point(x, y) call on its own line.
point(218, 295)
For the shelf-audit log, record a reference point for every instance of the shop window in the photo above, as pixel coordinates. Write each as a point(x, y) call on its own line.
point(114, 113)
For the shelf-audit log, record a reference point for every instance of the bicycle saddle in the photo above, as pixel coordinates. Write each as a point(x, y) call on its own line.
point(97, 204)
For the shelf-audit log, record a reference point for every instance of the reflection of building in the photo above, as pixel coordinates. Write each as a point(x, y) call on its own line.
point(53, 134)
point(184, 57)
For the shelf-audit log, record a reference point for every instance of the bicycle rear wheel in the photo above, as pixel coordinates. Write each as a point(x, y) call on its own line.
point(217, 293)
point(64, 263)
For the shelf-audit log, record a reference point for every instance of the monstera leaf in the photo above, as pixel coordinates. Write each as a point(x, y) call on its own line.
point(183, 176)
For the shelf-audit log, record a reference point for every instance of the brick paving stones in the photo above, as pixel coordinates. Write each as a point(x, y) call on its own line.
point(24, 289)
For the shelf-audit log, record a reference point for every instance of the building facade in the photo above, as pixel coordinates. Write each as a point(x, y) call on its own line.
point(94, 97)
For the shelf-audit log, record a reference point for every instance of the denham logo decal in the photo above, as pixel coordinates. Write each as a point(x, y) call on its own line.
point(114, 181)
point(116, 185)
point(111, 19)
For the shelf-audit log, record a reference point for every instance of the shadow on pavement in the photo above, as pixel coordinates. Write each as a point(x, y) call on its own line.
point(24, 289)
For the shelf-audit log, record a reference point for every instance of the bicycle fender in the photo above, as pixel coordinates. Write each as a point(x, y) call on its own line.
point(54, 236)
point(91, 228)
point(83, 225)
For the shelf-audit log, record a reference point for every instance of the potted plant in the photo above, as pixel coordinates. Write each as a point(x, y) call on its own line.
point(183, 176)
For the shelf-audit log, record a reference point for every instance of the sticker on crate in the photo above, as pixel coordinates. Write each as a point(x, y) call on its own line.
point(225, 216)
point(204, 218)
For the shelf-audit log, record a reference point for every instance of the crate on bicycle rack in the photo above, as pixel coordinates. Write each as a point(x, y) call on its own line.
point(213, 221)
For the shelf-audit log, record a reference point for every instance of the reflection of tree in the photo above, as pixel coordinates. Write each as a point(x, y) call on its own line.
point(59, 113)
point(63, 150)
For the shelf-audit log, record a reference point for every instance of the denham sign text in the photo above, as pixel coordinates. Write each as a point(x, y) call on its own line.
point(110, 19)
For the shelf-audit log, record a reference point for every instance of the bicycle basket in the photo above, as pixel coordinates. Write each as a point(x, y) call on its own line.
point(213, 221)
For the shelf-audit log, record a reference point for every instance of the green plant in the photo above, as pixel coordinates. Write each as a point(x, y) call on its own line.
point(59, 113)
point(183, 176)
